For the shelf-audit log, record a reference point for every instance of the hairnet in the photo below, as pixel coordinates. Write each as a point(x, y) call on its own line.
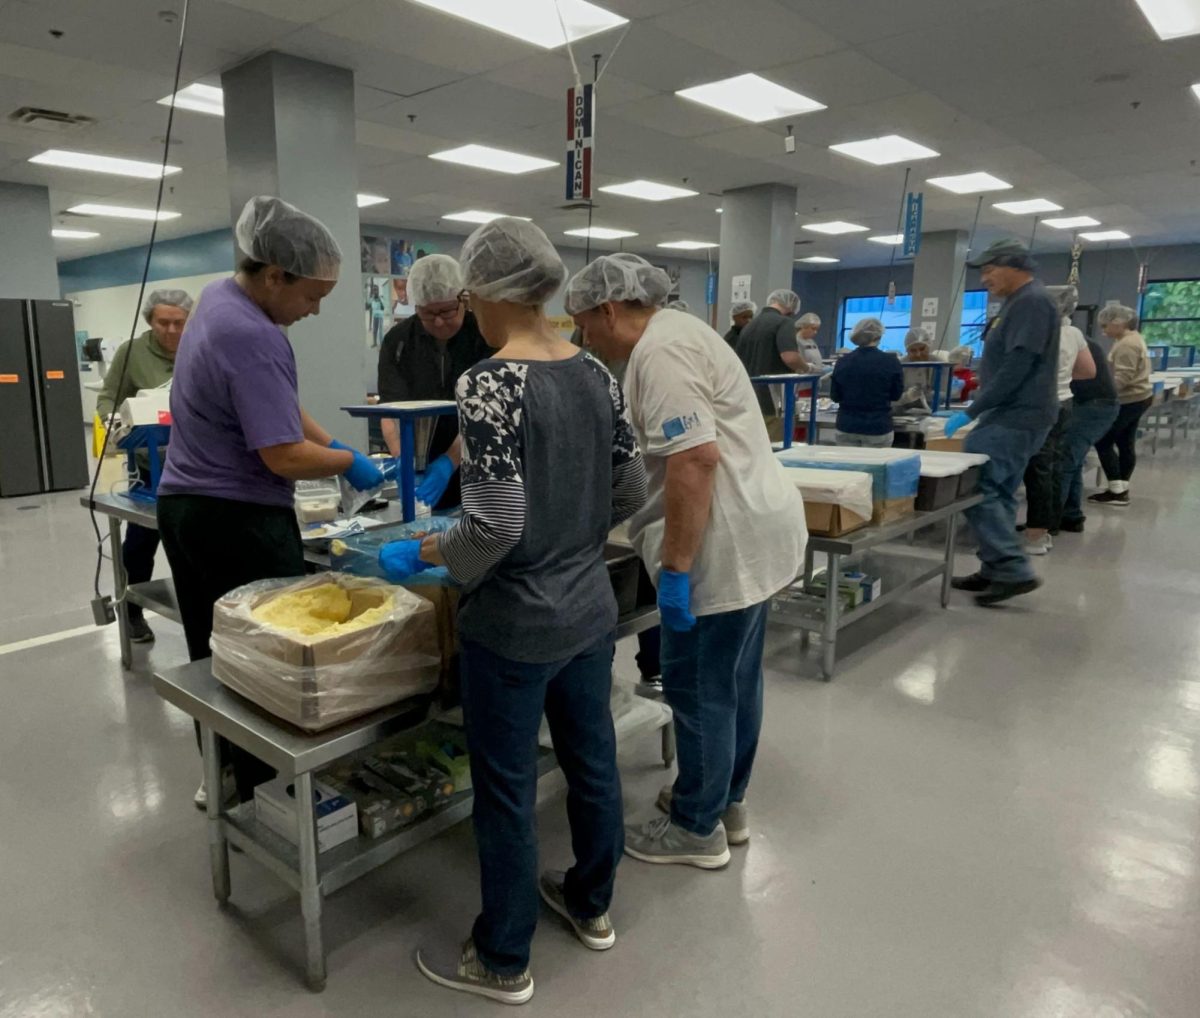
point(811, 318)
point(1066, 297)
point(271, 231)
point(434, 279)
point(913, 337)
point(789, 300)
point(511, 261)
point(740, 307)
point(679, 305)
point(173, 298)
point(1118, 313)
point(867, 332)
point(616, 277)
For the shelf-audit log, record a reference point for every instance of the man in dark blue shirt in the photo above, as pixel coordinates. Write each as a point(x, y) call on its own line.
point(865, 384)
point(1016, 407)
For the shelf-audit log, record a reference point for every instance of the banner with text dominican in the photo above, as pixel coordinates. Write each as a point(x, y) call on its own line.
point(580, 124)
point(913, 211)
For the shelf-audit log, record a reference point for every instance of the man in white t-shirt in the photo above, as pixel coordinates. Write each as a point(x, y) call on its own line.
point(722, 530)
point(1044, 474)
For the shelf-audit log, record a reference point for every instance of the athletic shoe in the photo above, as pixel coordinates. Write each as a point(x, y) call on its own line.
point(464, 971)
point(1113, 498)
point(229, 793)
point(1072, 526)
point(1000, 590)
point(661, 841)
point(736, 817)
point(597, 933)
point(140, 632)
point(1039, 546)
point(976, 583)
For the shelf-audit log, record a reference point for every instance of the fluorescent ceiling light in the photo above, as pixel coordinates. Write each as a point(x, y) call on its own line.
point(819, 260)
point(835, 228)
point(718, 211)
point(1027, 208)
point(1196, 91)
point(1172, 19)
point(1071, 222)
point(689, 245)
point(892, 239)
point(1106, 235)
point(891, 148)
point(476, 216)
point(600, 233)
point(484, 157)
point(752, 98)
point(103, 164)
point(199, 98)
point(120, 212)
point(365, 201)
point(540, 22)
point(970, 183)
point(73, 234)
point(647, 190)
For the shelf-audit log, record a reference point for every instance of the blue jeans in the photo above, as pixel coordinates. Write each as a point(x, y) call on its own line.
point(503, 701)
point(995, 518)
point(1089, 423)
point(712, 678)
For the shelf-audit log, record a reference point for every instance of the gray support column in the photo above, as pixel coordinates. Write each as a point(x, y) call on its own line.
point(27, 265)
point(938, 276)
point(289, 131)
point(758, 239)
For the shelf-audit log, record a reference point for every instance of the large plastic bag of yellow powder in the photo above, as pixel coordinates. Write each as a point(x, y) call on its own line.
point(320, 650)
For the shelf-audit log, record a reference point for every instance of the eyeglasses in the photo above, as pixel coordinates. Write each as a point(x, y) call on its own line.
point(433, 317)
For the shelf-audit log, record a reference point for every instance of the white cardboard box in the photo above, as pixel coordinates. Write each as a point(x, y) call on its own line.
point(337, 816)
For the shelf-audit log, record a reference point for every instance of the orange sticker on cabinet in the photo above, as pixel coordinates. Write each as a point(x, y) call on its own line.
point(56, 376)
point(9, 379)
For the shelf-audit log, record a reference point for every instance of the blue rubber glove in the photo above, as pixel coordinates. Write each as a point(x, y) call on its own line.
point(436, 480)
point(674, 600)
point(401, 559)
point(955, 421)
point(362, 473)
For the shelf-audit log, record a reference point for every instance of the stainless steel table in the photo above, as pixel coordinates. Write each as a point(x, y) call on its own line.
point(902, 569)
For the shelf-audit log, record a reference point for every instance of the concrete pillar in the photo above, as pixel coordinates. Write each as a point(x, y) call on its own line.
point(758, 239)
point(289, 131)
point(27, 265)
point(938, 275)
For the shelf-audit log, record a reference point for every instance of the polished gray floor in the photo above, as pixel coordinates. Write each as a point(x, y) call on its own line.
point(988, 813)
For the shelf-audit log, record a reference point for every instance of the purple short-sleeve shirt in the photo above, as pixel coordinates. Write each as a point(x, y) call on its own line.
point(234, 392)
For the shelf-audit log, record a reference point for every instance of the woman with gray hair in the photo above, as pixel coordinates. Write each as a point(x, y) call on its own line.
point(865, 384)
point(1130, 361)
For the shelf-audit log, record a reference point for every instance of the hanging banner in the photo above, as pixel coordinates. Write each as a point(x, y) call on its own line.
point(710, 289)
point(913, 211)
point(580, 114)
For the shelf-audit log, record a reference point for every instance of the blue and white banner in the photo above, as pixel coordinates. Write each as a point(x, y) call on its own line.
point(580, 139)
point(913, 211)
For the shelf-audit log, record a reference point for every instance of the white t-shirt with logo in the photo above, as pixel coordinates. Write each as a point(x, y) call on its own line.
point(685, 388)
point(1070, 344)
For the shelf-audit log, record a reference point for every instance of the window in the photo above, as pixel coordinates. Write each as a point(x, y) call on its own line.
point(897, 318)
point(1170, 312)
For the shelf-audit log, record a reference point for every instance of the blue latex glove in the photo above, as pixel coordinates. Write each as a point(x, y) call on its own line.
point(674, 600)
point(401, 559)
point(436, 480)
point(956, 421)
point(362, 473)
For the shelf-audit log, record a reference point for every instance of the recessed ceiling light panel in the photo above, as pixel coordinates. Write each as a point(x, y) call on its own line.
point(752, 98)
point(198, 98)
point(367, 200)
point(1027, 208)
point(73, 234)
point(884, 151)
point(1106, 235)
point(835, 228)
point(479, 216)
point(648, 190)
point(819, 260)
point(600, 233)
point(1172, 19)
point(120, 212)
point(689, 245)
point(970, 183)
point(484, 157)
point(1071, 222)
point(891, 239)
point(103, 164)
point(540, 22)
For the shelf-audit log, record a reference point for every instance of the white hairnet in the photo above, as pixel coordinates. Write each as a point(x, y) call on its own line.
point(174, 298)
point(680, 305)
point(740, 307)
point(434, 279)
point(811, 318)
point(913, 337)
point(616, 277)
point(271, 231)
point(789, 300)
point(511, 261)
point(867, 332)
point(1066, 297)
point(1118, 313)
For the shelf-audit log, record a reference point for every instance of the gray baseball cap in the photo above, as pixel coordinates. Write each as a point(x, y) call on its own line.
point(1008, 252)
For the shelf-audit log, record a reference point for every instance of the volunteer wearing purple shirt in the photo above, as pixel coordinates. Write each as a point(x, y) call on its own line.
point(239, 437)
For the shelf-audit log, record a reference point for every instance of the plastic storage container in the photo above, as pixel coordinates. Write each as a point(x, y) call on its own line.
point(317, 501)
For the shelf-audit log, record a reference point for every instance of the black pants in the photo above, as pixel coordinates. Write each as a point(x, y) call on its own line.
point(137, 554)
point(649, 640)
point(1118, 449)
point(215, 545)
point(1044, 477)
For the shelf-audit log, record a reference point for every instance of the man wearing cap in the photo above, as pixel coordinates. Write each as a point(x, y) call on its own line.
point(1015, 410)
point(740, 315)
point(422, 357)
point(144, 362)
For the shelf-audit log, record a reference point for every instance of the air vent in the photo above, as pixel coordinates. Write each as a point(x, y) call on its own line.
point(49, 120)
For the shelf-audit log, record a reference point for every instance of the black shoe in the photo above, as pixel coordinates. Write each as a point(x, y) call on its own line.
point(140, 632)
point(1072, 526)
point(976, 583)
point(999, 590)
point(1110, 498)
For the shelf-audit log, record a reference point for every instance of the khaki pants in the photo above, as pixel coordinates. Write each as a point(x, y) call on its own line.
point(774, 427)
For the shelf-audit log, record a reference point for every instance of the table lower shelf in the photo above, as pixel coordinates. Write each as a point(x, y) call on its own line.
point(157, 596)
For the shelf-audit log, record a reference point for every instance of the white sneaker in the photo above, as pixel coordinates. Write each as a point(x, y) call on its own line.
point(1039, 546)
point(229, 793)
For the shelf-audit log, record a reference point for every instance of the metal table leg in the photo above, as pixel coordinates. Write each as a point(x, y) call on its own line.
point(833, 604)
point(789, 415)
point(948, 573)
point(218, 847)
point(119, 581)
point(310, 884)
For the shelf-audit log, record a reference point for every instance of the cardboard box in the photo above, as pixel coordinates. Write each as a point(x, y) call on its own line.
point(944, 444)
point(337, 815)
point(872, 586)
point(826, 519)
point(851, 592)
point(888, 509)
